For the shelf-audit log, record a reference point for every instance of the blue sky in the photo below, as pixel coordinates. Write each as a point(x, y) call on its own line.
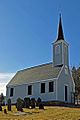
point(29, 27)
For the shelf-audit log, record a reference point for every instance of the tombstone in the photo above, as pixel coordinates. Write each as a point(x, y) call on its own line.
point(5, 111)
point(0, 108)
point(41, 106)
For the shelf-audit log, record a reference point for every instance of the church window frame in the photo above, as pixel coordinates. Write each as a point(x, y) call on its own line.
point(51, 86)
point(29, 89)
point(57, 49)
point(11, 92)
point(42, 87)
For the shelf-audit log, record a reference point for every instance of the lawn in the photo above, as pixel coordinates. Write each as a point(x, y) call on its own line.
point(49, 113)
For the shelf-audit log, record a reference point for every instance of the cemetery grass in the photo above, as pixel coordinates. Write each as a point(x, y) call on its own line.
point(49, 113)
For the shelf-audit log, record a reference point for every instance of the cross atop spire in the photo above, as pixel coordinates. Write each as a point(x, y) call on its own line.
point(60, 30)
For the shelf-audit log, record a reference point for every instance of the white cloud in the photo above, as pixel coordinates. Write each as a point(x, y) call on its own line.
point(4, 79)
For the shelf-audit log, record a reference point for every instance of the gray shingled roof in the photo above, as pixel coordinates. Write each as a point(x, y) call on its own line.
point(37, 73)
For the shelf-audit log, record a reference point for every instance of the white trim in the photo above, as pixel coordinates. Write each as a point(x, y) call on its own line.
point(67, 92)
point(73, 86)
point(61, 41)
point(57, 82)
point(8, 92)
point(47, 86)
point(56, 90)
point(60, 72)
point(62, 53)
point(14, 92)
point(32, 82)
point(26, 90)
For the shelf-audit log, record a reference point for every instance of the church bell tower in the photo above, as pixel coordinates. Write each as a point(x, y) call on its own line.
point(60, 48)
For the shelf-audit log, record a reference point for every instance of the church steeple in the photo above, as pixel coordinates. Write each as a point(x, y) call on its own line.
point(60, 48)
point(60, 30)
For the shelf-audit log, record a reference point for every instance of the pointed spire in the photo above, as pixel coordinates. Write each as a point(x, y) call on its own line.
point(60, 30)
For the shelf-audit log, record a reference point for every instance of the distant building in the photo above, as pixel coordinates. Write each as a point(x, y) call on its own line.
point(50, 82)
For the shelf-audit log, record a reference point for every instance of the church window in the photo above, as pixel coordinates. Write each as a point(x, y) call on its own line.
point(42, 87)
point(57, 49)
point(30, 90)
point(11, 92)
point(51, 86)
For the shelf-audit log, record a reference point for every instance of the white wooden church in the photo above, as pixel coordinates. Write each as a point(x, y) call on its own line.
point(50, 82)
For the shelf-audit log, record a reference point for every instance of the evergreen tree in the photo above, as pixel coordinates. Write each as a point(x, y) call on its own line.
point(76, 77)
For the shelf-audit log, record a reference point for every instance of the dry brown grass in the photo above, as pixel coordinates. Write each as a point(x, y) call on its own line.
point(49, 113)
